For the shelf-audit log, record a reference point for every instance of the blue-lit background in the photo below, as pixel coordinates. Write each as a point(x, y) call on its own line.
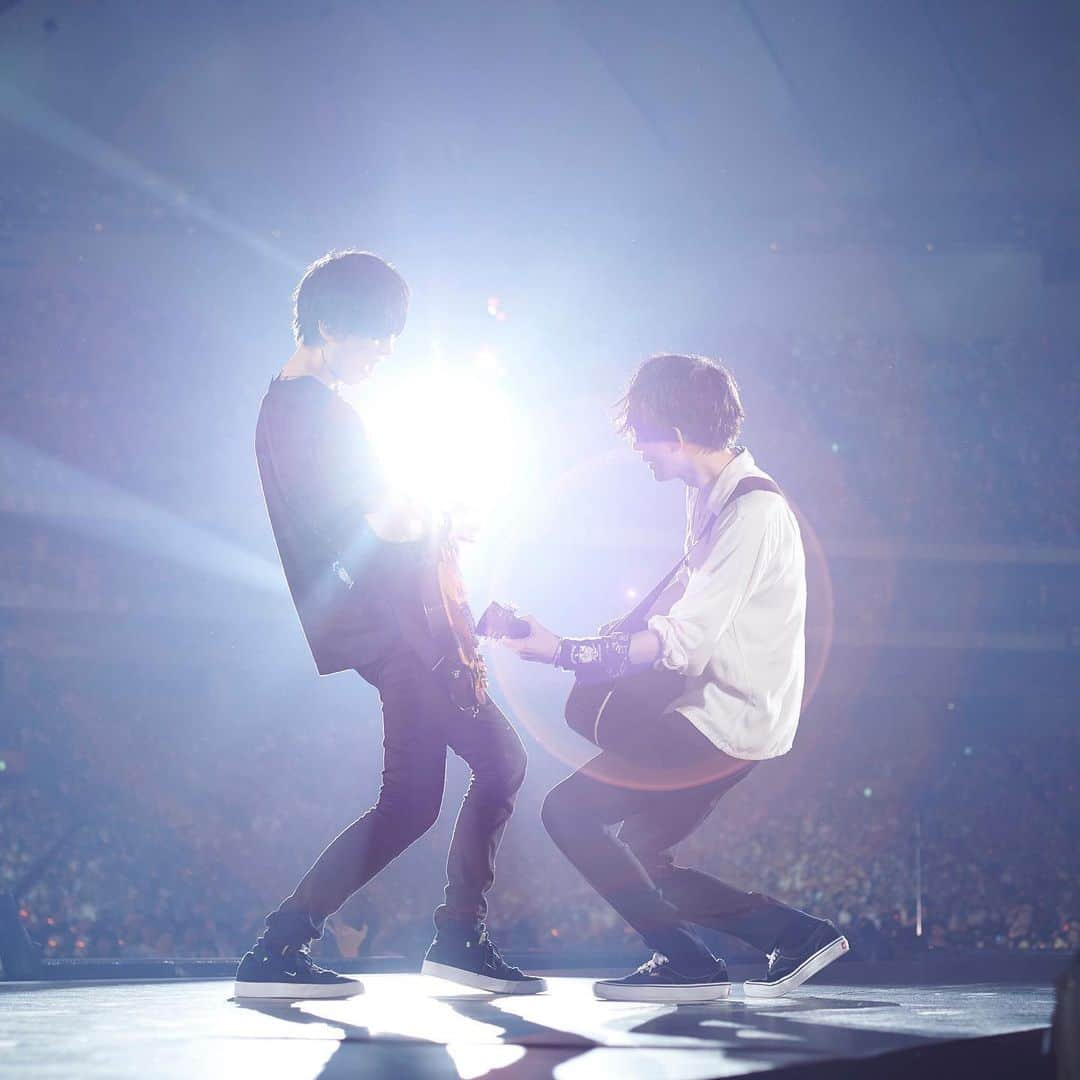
point(868, 210)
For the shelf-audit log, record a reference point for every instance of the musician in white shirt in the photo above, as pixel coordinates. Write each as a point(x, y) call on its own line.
point(726, 659)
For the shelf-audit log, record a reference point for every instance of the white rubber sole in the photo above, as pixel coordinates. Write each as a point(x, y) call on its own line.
point(694, 993)
point(758, 988)
point(309, 992)
point(481, 982)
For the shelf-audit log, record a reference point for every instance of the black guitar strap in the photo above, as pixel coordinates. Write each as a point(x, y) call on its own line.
point(743, 487)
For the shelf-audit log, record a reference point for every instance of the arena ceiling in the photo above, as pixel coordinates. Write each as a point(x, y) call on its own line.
point(825, 110)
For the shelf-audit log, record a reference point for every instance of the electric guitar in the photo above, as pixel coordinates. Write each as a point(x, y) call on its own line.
point(597, 701)
point(451, 626)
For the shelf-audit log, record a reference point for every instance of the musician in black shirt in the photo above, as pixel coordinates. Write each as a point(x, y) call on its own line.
point(352, 556)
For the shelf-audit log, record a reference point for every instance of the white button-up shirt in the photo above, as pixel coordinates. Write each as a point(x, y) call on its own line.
point(737, 631)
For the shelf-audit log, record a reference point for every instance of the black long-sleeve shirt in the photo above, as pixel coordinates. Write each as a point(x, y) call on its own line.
point(320, 479)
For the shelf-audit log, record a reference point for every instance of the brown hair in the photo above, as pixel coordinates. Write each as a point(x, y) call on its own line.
point(692, 393)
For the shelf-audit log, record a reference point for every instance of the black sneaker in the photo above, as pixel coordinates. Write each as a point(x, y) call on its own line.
point(289, 973)
point(657, 981)
point(788, 970)
point(471, 959)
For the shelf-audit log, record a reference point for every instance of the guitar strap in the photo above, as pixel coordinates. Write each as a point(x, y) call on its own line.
point(743, 487)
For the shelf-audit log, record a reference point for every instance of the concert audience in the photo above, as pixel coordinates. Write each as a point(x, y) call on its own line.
point(938, 441)
point(946, 442)
point(169, 863)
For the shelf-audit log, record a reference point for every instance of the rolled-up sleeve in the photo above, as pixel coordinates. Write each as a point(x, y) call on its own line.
point(717, 588)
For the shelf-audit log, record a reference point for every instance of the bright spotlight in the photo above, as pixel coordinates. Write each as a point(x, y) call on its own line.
point(447, 436)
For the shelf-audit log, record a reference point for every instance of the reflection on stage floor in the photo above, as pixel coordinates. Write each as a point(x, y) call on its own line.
point(408, 1025)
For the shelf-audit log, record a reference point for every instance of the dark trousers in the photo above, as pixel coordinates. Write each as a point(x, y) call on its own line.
point(419, 723)
point(661, 783)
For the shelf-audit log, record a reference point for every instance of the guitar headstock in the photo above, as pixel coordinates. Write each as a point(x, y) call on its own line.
point(501, 620)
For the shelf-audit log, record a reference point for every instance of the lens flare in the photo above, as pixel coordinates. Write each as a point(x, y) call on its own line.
point(447, 436)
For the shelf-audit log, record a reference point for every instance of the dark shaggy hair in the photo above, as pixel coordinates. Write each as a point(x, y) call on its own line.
point(349, 292)
point(692, 393)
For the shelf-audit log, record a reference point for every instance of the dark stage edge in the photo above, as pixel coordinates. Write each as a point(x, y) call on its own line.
point(412, 1026)
point(939, 966)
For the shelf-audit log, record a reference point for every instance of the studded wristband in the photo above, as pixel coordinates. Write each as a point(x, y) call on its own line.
point(608, 655)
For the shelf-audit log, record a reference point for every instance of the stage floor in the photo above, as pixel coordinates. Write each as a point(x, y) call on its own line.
point(411, 1026)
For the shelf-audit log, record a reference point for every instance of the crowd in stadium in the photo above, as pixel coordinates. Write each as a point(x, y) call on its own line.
point(954, 441)
point(951, 441)
point(164, 850)
point(169, 849)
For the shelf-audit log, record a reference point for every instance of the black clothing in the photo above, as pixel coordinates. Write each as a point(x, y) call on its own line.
point(289, 973)
point(320, 478)
point(419, 723)
point(635, 870)
point(658, 980)
point(790, 966)
point(468, 956)
point(783, 963)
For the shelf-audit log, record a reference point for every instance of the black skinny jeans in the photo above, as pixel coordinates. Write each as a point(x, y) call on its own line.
point(419, 723)
point(655, 785)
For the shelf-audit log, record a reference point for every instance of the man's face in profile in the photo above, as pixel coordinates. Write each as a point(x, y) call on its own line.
point(355, 357)
point(665, 458)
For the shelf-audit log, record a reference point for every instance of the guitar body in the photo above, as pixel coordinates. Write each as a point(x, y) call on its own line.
point(584, 704)
point(601, 709)
point(452, 628)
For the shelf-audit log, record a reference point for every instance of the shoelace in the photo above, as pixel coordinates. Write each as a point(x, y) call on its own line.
point(650, 966)
point(492, 956)
point(773, 957)
point(302, 960)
